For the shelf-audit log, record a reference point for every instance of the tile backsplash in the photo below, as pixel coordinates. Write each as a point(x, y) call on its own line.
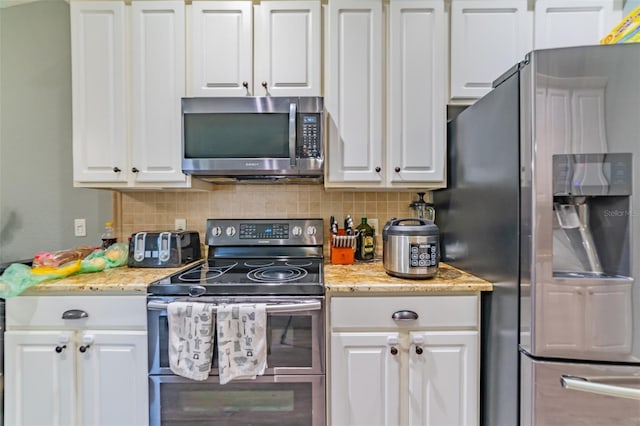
point(157, 210)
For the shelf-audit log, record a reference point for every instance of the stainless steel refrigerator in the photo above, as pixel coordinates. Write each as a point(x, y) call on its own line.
point(543, 200)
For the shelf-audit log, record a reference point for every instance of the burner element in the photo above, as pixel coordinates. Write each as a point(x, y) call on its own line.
point(199, 274)
point(277, 274)
point(258, 263)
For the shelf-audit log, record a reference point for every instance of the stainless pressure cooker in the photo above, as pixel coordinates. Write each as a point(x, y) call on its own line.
point(411, 248)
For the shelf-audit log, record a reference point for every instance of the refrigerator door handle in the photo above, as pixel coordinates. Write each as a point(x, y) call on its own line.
point(583, 384)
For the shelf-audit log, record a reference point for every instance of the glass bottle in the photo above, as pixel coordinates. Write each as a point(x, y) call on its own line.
point(108, 236)
point(366, 247)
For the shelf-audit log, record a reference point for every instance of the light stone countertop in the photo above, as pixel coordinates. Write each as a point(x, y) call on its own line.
point(121, 280)
point(370, 277)
point(361, 278)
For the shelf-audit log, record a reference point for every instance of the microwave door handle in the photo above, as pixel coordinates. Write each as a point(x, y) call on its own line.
point(293, 107)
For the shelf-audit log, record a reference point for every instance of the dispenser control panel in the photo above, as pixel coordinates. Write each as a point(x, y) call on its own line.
point(592, 174)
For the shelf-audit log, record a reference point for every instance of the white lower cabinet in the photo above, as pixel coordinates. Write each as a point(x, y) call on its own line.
point(420, 369)
point(89, 370)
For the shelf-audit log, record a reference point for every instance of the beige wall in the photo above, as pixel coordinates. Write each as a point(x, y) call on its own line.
point(38, 203)
point(139, 211)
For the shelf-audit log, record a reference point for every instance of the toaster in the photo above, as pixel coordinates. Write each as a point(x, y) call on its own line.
point(163, 249)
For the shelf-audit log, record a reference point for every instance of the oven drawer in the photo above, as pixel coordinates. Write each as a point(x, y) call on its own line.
point(295, 400)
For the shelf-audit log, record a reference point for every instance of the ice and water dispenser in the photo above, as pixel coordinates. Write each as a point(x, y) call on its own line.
point(591, 203)
point(588, 300)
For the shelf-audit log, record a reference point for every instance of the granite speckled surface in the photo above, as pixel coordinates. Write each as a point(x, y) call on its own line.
point(371, 277)
point(121, 280)
point(357, 278)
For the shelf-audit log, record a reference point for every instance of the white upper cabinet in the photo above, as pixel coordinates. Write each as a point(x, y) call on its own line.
point(287, 48)
point(128, 64)
point(417, 52)
point(283, 61)
point(99, 67)
point(562, 23)
point(394, 138)
point(158, 55)
point(221, 47)
point(487, 38)
point(353, 97)
point(490, 36)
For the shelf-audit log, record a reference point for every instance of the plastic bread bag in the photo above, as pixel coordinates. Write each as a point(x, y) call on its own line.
point(19, 277)
point(62, 257)
point(95, 262)
point(116, 255)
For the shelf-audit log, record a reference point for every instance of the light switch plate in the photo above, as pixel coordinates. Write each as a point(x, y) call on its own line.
point(80, 227)
point(374, 224)
point(180, 224)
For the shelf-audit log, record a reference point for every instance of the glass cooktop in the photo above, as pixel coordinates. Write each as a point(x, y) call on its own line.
point(264, 276)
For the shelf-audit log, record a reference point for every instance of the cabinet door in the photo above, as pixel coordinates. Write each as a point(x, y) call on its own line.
point(562, 23)
point(39, 381)
point(444, 379)
point(365, 379)
point(287, 48)
point(487, 38)
point(98, 61)
point(417, 105)
point(221, 50)
point(113, 374)
point(158, 64)
point(353, 98)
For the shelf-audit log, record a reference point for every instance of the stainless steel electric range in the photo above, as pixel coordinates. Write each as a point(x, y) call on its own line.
point(278, 262)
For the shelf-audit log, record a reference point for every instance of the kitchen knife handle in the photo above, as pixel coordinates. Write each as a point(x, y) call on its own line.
point(404, 316)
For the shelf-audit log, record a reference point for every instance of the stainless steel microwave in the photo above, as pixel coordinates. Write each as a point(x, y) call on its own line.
point(253, 138)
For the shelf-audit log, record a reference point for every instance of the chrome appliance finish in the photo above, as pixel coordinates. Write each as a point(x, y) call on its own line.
point(541, 202)
point(253, 138)
point(277, 262)
point(254, 257)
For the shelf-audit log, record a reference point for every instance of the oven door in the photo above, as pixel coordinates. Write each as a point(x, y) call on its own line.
point(294, 400)
point(295, 334)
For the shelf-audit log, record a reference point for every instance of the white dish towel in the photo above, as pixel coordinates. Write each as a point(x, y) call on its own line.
point(242, 341)
point(190, 339)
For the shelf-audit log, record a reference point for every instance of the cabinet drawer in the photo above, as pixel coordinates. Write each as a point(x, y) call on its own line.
point(42, 312)
point(433, 312)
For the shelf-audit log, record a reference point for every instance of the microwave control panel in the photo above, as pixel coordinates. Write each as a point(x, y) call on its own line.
point(311, 141)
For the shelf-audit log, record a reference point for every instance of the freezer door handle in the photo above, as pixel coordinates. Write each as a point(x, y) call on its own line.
point(586, 385)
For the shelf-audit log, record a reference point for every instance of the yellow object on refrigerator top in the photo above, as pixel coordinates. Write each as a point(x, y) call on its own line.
point(627, 31)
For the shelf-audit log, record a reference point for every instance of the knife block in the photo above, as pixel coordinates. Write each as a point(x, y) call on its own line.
point(342, 255)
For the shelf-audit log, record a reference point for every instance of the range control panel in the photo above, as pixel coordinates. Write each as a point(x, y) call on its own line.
point(260, 232)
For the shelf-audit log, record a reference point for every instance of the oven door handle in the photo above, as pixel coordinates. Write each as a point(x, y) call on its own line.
point(306, 305)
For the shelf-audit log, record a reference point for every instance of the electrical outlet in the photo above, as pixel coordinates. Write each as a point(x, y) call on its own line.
point(80, 227)
point(374, 224)
point(180, 224)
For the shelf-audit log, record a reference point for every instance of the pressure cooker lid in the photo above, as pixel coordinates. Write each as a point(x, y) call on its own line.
point(410, 227)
